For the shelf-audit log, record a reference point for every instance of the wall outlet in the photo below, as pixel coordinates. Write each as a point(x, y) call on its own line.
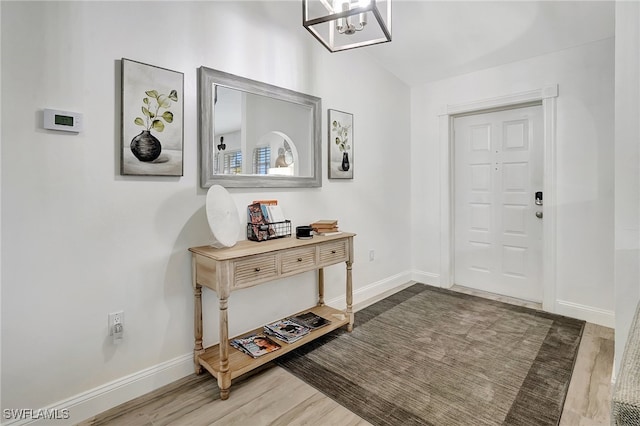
point(372, 255)
point(116, 325)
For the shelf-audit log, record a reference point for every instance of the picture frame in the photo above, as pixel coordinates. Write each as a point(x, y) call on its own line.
point(340, 144)
point(152, 120)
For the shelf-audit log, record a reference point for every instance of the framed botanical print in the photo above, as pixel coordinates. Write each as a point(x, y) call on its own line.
point(152, 120)
point(340, 145)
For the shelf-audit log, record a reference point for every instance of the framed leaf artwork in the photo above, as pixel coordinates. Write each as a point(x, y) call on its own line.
point(152, 120)
point(340, 145)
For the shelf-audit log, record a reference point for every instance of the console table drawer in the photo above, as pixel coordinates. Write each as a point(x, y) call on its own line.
point(298, 259)
point(254, 269)
point(332, 252)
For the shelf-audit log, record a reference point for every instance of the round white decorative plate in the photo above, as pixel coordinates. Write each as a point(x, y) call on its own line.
point(223, 217)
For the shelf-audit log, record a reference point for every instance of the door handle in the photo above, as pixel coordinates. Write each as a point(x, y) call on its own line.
point(539, 198)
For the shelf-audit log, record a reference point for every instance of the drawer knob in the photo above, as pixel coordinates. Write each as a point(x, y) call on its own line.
point(333, 252)
point(299, 259)
point(257, 269)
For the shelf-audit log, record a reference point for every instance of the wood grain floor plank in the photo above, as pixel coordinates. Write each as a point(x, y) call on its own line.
point(191, 390)
point(599, 406)
point(319, 410)
point(265, 408)
point(589, 396)
point(249, 391)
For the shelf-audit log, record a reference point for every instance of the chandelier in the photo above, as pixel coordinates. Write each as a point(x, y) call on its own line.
point(347, 24)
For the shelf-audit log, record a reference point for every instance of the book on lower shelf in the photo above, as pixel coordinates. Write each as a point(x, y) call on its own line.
point(255, 345)
point(287, 331)
point(310, 320)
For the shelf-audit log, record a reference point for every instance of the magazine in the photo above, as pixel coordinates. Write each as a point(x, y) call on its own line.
point(259, 223)
point(310, 320)
point(286, 330)
point(255, 345)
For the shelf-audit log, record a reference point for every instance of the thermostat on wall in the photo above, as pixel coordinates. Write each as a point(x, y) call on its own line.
point(62, 120)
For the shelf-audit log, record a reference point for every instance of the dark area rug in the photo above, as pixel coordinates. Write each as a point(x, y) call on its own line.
point(430, 356)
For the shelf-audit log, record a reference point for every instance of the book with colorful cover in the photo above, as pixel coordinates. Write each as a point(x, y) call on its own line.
point(265, 213)
point(286, 330)
point(310, 320)
point(255, 345)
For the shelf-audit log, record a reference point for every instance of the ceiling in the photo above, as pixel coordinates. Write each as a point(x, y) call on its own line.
point(432, 40)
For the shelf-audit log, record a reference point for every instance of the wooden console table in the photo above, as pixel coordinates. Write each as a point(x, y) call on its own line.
point(250, 263)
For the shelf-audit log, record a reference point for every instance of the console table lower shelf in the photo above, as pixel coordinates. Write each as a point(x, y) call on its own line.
point(241, 363)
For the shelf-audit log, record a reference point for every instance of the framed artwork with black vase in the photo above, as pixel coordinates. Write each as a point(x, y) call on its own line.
point(152, 120)
point(340, 145)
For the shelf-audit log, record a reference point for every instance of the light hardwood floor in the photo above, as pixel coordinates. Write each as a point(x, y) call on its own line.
point(273, 396)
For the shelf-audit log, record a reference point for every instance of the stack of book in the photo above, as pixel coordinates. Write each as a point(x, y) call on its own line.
point(325, 227)
point(255, 345)
point(287, 331)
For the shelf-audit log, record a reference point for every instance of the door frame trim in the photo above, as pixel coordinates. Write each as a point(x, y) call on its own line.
point(547, 95)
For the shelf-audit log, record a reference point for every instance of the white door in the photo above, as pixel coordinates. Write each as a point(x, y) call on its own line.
point(497, 171)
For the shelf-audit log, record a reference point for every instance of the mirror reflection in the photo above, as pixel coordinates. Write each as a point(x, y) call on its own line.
point(256, 135)
point(253, 134)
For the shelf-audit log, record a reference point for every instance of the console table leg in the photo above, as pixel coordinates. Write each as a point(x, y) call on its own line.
point(197, 321)
point(224, 376)
point(349, 296)
point(224, 394)
point(321, 287)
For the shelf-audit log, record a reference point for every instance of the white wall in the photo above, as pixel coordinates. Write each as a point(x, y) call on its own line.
point(627, 166)
point(80, 241)
point(585, 129)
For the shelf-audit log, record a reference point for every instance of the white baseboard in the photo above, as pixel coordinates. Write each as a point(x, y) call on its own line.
point(426, 278)
point(586, 313)
point(373, 292)
point(88, 404)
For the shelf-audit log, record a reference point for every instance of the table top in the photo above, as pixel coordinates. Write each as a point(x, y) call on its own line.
point(249, 248)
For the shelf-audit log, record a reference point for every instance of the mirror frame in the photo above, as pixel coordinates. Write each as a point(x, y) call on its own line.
point(207, 77)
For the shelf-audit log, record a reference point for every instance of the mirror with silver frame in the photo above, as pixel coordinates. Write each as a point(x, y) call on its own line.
point(256, 135)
